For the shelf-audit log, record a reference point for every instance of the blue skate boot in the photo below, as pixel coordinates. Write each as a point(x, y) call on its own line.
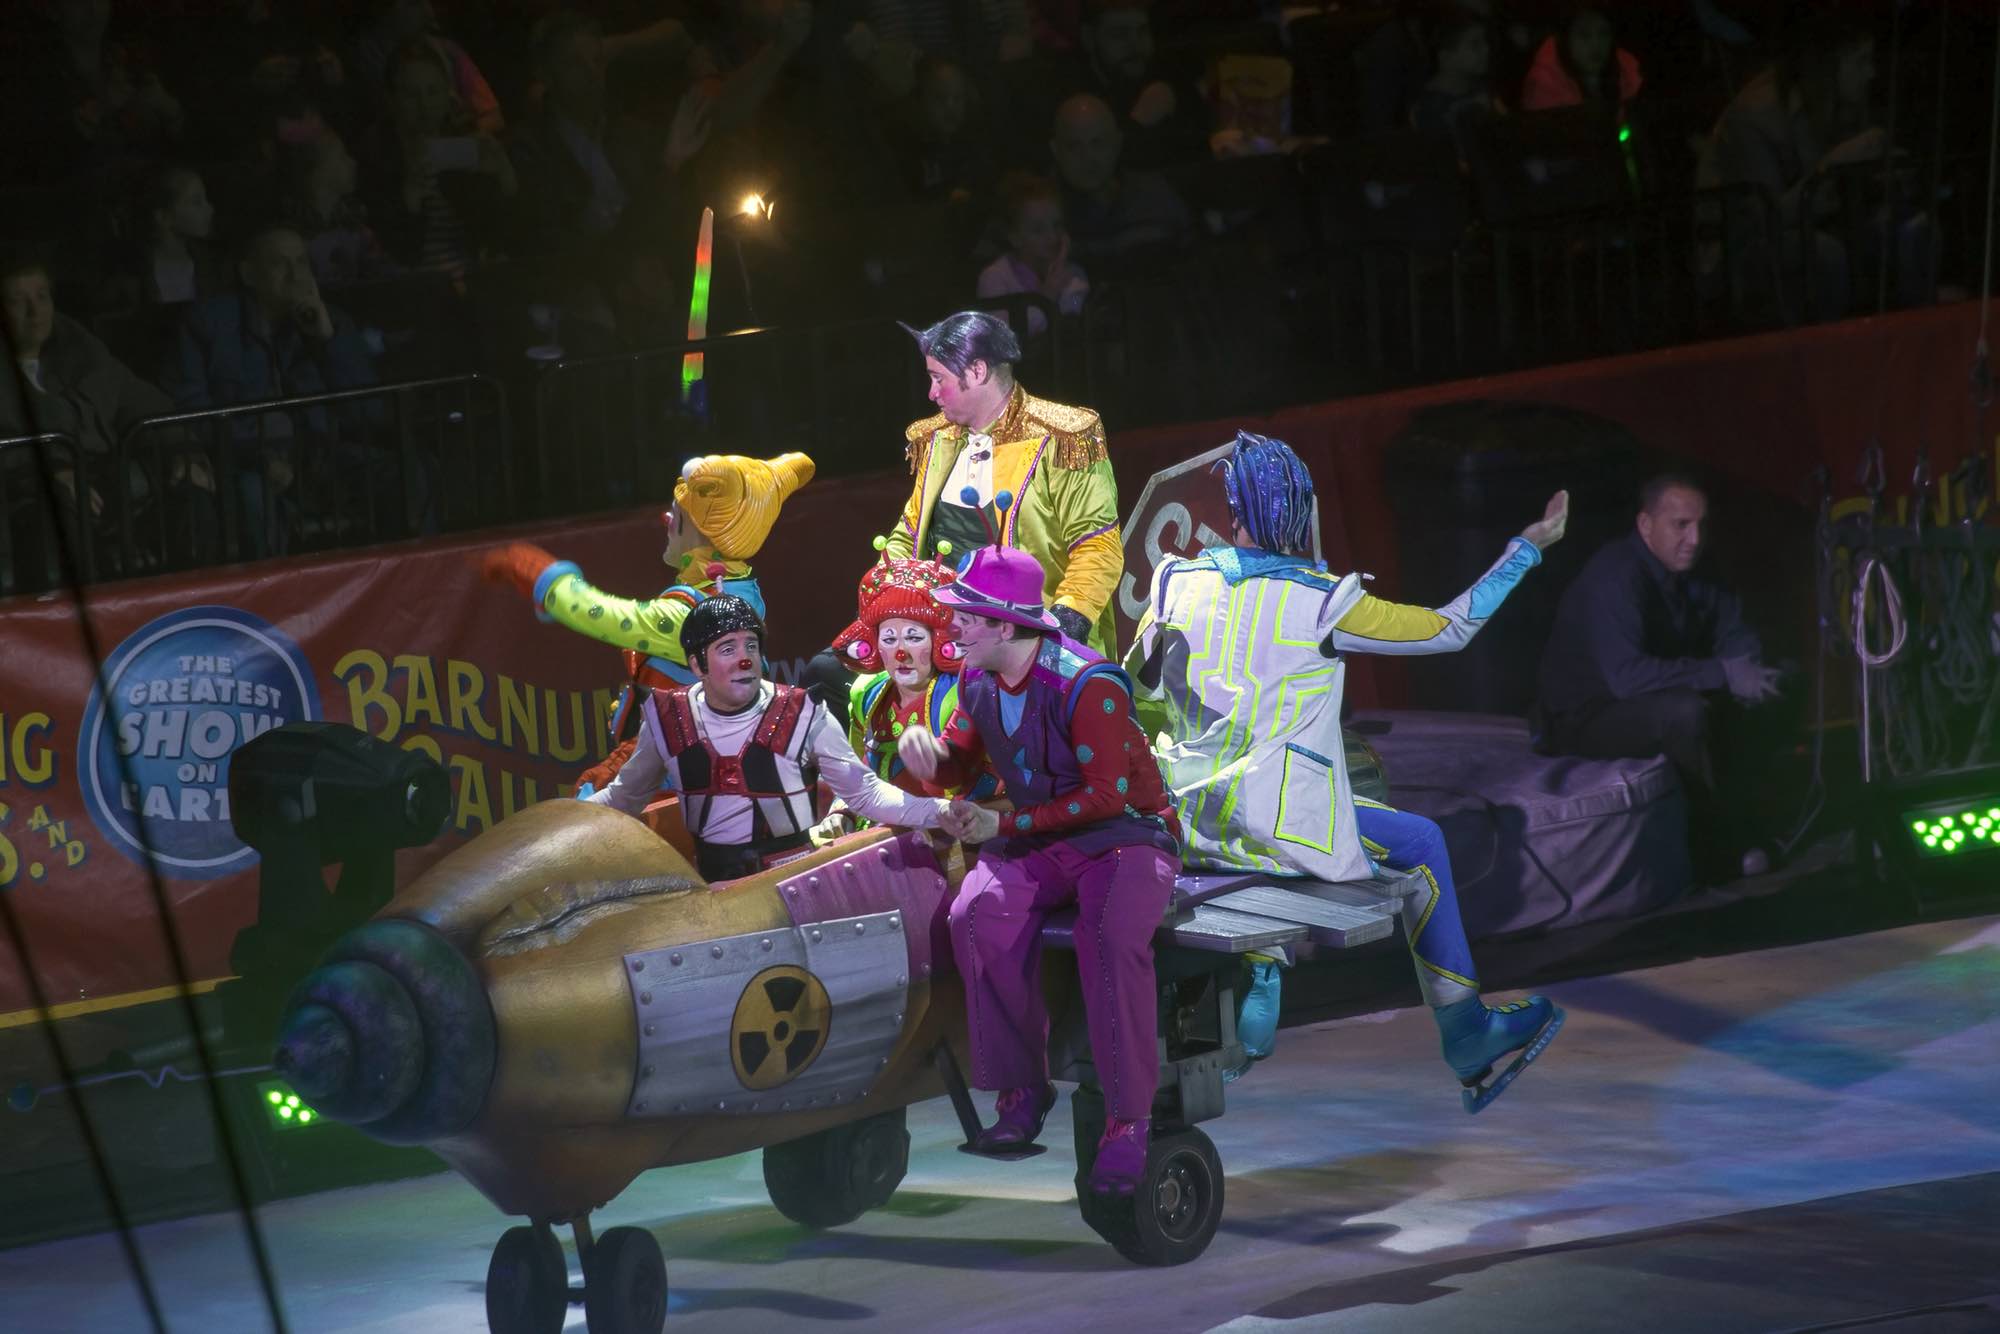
point(1476, 1035)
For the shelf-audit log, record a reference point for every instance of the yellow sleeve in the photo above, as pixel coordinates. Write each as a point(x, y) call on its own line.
point(1086, 513)
point(1383, 622)
point(653, 626)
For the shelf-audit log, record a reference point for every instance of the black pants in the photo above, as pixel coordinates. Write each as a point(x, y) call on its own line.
point(1722, 751)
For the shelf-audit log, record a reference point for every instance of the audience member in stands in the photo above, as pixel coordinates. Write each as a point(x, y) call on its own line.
point(388, 25)
point(1460, 93)
point(1807, 115)
point(1397, 59)
point(176, 260)
point(103, 95)
point(1582, 64)
point(437, 191)
point(1162, 121)
point(1037, 258)
point(943, 151)
point(273, 337)
point(584, 164)
point(1649, 657)
point(320, 200)
point(1110, 211)
point(75, 387)
point(890, 39)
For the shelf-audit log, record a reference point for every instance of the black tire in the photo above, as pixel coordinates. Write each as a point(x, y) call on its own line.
point(1172, 1216)
point(527, 1283)
point(837, 1175)
point(625, 1284)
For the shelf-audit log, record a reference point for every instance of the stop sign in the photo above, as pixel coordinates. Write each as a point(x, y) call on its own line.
point(1182, 511)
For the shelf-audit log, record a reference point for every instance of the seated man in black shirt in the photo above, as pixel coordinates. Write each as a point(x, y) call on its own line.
point(1646, 654)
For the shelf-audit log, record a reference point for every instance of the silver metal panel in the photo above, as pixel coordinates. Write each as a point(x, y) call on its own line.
point(1386, 896)
point(864, 964)
point(685, 1000)
point(1226, 932)
point(1337, 924)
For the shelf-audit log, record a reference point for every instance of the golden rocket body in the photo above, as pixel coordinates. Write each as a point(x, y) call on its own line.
point(563, 1003)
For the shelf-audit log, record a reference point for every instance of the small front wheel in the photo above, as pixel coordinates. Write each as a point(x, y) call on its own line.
point(625, 1284)
point(527, 1283)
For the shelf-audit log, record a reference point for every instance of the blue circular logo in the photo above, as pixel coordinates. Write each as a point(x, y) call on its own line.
point(176, 699)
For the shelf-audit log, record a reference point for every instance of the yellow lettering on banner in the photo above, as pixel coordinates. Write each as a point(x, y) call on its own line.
point(423, 745)
point(34, 766)
point(578, 733)
point(530, 793)
point(364, 673)
point(472, 802)
point(465, 686)
point(420, 690)
point(517, 713)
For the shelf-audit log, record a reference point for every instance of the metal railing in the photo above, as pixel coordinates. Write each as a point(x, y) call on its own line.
point(343, 468)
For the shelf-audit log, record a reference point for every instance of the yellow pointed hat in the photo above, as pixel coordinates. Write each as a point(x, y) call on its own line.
point(734, 500)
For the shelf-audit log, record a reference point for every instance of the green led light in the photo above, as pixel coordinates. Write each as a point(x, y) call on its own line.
point(1945, 823)
point(292, 1100)
point(1930, 840)
point(274, 1097)
point(1921, 827)
point(305, 1115)
point(285, 1113)
point(1624, 134)
point(1994, 813)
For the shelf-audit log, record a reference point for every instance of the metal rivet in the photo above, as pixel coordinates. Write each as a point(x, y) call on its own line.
point(860, 927)
point(645, 998)
point(927, 970)
point(674, 959)
point(881, 1064)
point(901, 980)
point(715, 952)
point(899, 1021)
point(638, 965)
point(765, 942)
point(785, 1106)
point(815, 933)
point(721, 1106)
point(792, 890)
point(813, 880)
point(895, 924)
point(649, 1030)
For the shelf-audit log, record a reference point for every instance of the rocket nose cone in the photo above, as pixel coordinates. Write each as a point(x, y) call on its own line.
point(315, 1053)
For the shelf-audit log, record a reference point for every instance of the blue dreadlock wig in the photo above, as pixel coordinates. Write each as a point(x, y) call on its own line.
point(1270, 494)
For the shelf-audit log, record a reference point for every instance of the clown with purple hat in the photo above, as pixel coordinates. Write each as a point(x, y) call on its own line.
point(1092, 826)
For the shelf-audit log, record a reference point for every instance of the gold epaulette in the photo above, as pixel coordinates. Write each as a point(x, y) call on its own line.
point(1077, 433)
point(918, 434)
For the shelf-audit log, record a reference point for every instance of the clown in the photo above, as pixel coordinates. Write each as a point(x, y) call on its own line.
point(746, 755)
point(901, 631)
point(1238, 660)
point(724, 508)
point(1092, 826)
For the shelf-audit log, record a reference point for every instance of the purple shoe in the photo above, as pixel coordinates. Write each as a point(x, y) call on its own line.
point(1121, 1157)
point(1018, 1118)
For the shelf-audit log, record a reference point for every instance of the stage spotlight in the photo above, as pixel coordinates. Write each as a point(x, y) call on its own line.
point(1943, 826)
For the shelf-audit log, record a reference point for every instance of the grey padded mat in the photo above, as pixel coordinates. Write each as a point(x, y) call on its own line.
point(1610, 835)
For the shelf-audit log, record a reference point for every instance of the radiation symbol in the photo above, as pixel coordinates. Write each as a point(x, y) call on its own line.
point(780, 1026)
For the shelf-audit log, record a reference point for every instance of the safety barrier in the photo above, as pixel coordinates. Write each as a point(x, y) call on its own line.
point(30, 556)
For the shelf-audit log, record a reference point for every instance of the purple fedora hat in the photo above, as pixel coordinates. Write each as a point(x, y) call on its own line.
point(1004, 583)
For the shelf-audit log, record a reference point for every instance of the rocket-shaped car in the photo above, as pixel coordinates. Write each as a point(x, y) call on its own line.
point(563, 1003)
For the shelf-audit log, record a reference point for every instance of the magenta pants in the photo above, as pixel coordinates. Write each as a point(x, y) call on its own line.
point(996, 932)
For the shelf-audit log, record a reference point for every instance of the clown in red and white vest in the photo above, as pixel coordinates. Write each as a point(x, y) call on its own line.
point(746, 755)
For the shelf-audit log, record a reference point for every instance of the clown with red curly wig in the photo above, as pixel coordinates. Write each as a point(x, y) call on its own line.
point(901, 642)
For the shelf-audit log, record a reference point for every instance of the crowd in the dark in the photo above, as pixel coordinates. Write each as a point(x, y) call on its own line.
point(219, 203)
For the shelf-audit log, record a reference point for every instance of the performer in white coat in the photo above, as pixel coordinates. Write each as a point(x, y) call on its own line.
point(1238, 665)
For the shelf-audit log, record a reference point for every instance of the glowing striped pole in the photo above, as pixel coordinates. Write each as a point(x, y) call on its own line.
point(704, 262)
